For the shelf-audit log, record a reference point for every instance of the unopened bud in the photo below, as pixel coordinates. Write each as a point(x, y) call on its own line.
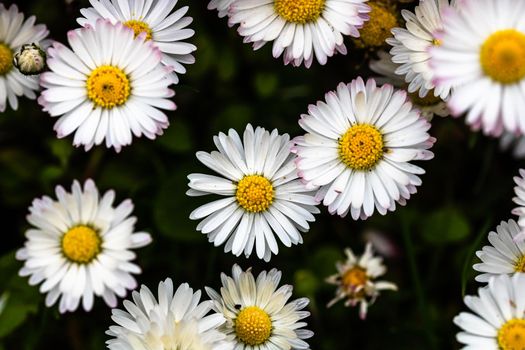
point(30, 59)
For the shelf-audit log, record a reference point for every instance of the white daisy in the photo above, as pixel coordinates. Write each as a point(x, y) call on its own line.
point(411, 47)
point(519, 190)
point(429, 105)
point(358, 147)
point(223, 6)
point(15, 32)
point(176, 321)
point(355, 280)
point(264, 196)
point(80, 246)
point(516, 142)
point(258, 313)
point(301, 29)
point(483, 57)
point(497, 320)
point(504, 256)
point(166, 29)
point(109, 87)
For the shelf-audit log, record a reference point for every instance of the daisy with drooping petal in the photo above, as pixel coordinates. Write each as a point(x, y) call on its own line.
point(496, 320)
point(483, 57)
point(356, 280)
point(264, 197)
point(222, 6)
point(80, 246)
point(504, 256)
point(166, 29)
point(108, 91)
point(411, 47)
point(375, 31)
point(519, 190)
point(177, 321)
point(358, 149)
point(15, 32)
point(258, 312)
point(299, 29)
point(429, 105)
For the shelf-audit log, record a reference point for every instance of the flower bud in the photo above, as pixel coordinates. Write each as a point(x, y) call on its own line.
point(30, 59)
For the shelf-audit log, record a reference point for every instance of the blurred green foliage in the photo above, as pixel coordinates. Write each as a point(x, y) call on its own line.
point(466, 191)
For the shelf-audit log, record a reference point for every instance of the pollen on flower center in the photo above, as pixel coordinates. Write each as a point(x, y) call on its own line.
point(361, 147)
point(254, 193)
point(511, 336)
point(437, 42)
point(81, 244)
point(299, 11)
point(355, 277)
point(108, 86)
point(139, 27)
point(253, 326)
point(377, 29)
point(6, 59)
point(520, 265)
point(502, 56)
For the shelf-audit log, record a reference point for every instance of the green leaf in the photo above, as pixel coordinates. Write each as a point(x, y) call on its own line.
point(266, 84)
point(306, 283)
point(177, 138)
point(62, 150)
point(445, 226)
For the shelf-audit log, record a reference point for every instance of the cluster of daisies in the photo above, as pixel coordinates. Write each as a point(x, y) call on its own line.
point(114, 81)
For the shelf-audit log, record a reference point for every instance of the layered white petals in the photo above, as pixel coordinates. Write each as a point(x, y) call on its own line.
point(222, 6)
point(392, 179)
point(243, 290)
point(108, 275)
point(16, 31)
point(176, 320)
point(225, 221)
point(65, 93)
point(168, 27)
point(299, 43)
point(519, 190)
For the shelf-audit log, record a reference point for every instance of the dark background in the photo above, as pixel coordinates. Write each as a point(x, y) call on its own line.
point(467, 190)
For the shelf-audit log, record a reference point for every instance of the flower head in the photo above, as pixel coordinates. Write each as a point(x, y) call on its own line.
point(30, 59)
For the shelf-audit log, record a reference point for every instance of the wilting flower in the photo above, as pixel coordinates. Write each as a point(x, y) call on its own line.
point(356, 280)
point(30, 59)
point(81, 246)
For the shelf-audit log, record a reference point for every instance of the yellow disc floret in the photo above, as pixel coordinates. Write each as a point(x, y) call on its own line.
point(429, 100)
point(254, 193)
point(108, 86)
point(502, 56)
point(139, 27)
point(354, 277)
point(361, 147)
point(6, 59)
point(520, 265)
point(299, 11)
point(377, 29)
point(253, 326)
point(511, 336)
point(81, 244)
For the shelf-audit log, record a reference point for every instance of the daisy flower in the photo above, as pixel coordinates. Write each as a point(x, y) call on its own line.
point(176, 321)
point(110, 86)
point(411, 47)
point(429, 105)
point(258, 313)
point(166, 29)
point(222, 6)
point(14, 33)
point(358, 147)
point(356, 280)
point(504, 256)
point(516, 142)
point(496, 320)
point(301, 29)
point(264, 196)
point(519, 190)
point(383, 17)
point(80, 246)
point(483, 57)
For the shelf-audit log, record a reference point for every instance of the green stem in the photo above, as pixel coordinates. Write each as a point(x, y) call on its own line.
point(483, 233)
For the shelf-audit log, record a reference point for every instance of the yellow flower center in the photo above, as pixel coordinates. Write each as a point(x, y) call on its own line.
point(254, 193)
point(355, 277)
point(428, 100)
point(6, 59)
point(436, 42)
point(377, 29)
point(502, 56)
point(299, 11)
point(511, 336)
point(520, 265)
point(139, 27)
point(361, 147)
point(81, 244)
point(253, 326)
point(108, 86)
